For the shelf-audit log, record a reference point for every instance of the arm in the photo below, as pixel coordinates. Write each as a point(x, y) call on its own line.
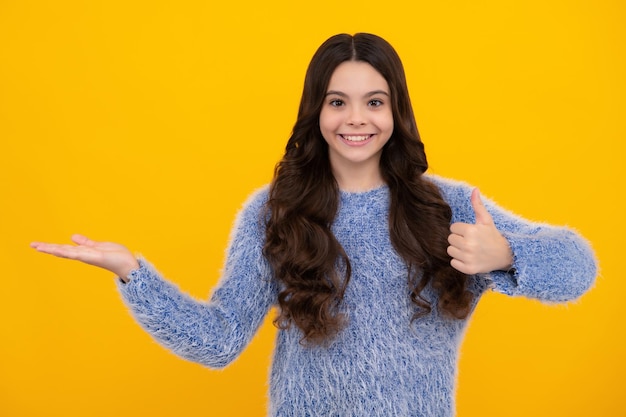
point(550, 263)
point(545, 262)
point(212, 333)
point(215, 332)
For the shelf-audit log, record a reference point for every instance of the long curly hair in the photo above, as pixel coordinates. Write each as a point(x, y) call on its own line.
point(309, 263)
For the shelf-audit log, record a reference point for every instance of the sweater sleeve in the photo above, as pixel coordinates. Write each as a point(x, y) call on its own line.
point(551, 263)
point(212, 332)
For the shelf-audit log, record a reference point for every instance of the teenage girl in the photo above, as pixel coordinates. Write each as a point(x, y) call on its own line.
point(374, 265)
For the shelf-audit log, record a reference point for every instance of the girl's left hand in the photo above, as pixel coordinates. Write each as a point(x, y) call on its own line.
point(480, 247)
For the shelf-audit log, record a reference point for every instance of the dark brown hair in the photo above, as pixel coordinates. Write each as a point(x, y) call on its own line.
point(312, 268)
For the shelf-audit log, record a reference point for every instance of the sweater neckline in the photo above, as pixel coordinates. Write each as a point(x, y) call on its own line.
point(365, 193)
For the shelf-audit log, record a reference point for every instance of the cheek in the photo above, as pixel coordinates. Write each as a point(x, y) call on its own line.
point(390, 121)
point(384, 121)
point(329, 122)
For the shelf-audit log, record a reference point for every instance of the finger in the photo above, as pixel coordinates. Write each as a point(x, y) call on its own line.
point(482, 215)
point(465, 267)
point(456, 240)
point(40, 246)
point(459, 266)
point(460, 229)
point(456, 253)
point(82, 240)
point(62, 251)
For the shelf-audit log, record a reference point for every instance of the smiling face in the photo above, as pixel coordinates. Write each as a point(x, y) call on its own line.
point(356, 121)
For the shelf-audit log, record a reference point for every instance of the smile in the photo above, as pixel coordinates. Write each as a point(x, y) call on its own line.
point(356, 138)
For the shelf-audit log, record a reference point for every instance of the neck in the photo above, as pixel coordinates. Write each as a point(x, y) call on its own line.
point(358, 177)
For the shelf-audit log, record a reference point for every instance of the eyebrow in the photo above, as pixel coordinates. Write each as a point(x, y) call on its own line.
point(371, 93)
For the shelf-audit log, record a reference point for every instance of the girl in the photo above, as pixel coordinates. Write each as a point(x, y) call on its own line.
point(374, 265)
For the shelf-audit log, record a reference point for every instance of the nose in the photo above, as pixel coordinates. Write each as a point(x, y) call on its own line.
point(355, 118)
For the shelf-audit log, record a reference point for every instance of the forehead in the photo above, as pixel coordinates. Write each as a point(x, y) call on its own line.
point(356, 76)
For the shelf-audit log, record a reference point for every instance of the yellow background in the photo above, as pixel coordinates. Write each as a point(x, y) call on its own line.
point(149, 122)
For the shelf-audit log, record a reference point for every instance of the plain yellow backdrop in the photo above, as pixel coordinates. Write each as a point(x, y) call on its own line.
point(149, 122)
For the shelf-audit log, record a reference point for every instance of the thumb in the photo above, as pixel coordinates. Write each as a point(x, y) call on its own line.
point(482, 215)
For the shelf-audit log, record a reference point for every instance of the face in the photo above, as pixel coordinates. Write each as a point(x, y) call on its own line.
point(356, 119)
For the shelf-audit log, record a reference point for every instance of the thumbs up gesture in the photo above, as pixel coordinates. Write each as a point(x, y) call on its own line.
point(480, 247)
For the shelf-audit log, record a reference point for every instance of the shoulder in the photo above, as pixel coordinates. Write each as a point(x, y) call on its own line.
point(451, 189)
point(456, 193)
point(257, 199)
point(250, 215)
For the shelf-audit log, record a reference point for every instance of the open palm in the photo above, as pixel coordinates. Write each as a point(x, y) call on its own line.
point(107, 255)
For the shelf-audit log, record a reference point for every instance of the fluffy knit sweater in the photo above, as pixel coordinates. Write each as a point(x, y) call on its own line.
point(381, 363)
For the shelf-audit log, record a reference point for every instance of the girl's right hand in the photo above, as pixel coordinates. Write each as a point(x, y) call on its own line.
point(110, 256)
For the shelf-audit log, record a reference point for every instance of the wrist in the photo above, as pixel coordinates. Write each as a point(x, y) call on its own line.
point(508, 258)
point(124, 273)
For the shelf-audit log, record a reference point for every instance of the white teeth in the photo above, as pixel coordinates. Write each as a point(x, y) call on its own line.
point(356, 138)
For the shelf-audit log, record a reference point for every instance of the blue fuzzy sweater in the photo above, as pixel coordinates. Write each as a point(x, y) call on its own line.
point(380, 364)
